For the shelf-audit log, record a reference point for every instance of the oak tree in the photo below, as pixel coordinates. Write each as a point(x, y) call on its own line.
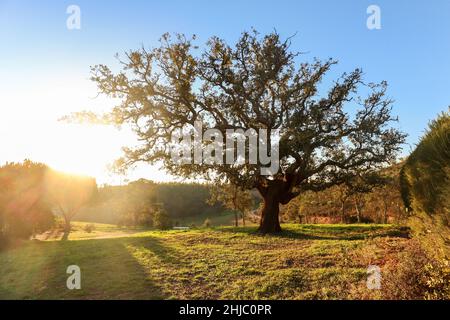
point(257, 83)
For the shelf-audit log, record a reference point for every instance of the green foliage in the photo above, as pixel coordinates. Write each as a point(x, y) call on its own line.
point(257, 82)
point(68, 193)
point(425, 185)
point(234, 198)
point(376, 196)
point(161, 220)
point(426, 174)
point(24, 210)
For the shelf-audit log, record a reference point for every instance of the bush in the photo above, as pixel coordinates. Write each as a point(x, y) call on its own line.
point(425, 186)
point(23, 209)
point(426, 173)
point(161, 220)
point(89, 227)
point(416, 275)
point(207, 223)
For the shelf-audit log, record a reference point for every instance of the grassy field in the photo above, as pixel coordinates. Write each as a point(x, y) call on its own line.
point(223, 219)
point(304, 262)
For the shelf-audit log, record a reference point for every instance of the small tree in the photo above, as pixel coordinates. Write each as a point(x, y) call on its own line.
point(232, 197)
point(356, 187)
point(386, 197)
point(161, 220)
point(23, 209)
point(68, 194)
point(310, 205)
point(139, 203)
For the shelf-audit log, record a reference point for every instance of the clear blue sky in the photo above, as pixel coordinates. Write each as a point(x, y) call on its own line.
point(411, 51)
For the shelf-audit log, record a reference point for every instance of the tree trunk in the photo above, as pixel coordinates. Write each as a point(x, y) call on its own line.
point(243, 219)
point(236, 216)
point(67, 228)
point(276, 192)
point(358, 211)
point(343, 211)
point(270, 222)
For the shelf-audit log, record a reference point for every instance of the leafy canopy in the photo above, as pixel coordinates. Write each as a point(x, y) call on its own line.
point(257, 83)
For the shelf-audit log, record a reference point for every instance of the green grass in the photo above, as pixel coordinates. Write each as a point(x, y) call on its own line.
point(99, 231)
point(225, 218)
point(304, 262)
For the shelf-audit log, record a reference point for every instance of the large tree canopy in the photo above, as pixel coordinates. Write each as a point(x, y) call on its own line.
point(257, 83)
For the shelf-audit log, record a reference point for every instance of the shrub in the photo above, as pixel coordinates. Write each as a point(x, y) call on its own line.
point(23, 208)
point(207, 223)
point(425, 186)
point(414, 274)
point(426, 174)
point(89, 227)
point(161, 220)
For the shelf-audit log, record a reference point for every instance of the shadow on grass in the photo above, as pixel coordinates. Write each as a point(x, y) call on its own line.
point(156, 246)
point(325, 232)
point(108, 270)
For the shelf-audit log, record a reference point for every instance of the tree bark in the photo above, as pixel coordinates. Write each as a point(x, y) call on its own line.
point(236, 217)
point(358, 211)
point(342, 211)
point(274, 193)
point(270, 222)
point(67, 226)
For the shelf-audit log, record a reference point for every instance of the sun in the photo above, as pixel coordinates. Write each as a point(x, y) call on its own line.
point(83, 149)
point(30, 128)
point(90, 149)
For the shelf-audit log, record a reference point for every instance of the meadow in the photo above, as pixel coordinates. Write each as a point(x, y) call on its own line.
point(303, 262)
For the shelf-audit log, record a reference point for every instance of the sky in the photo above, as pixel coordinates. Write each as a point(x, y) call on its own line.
point(45, 67)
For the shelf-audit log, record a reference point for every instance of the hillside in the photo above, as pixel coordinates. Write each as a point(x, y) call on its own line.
point(305, 262)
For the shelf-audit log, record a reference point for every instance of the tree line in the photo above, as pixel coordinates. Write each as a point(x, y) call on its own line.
point(136, 203)
point(371, 199)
